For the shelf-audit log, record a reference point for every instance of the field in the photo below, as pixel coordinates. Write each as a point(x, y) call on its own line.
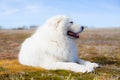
point(96, 45)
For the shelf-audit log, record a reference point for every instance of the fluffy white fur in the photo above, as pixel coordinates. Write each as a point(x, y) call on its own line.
point(51, 48)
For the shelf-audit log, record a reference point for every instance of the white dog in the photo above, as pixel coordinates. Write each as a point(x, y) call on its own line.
point(52, 47)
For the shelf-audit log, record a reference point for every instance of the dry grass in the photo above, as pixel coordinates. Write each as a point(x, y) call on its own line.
point(12, 66)
point(97, 45)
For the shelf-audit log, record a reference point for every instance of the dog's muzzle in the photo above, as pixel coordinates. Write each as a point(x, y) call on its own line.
point(72, 34)
point(75, 35)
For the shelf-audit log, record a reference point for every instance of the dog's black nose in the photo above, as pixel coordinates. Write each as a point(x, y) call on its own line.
point(82, 27)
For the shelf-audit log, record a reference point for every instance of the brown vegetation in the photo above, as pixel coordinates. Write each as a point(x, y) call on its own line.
point(97, 45)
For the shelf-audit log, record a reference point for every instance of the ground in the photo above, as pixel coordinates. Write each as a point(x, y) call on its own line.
point(96, 45)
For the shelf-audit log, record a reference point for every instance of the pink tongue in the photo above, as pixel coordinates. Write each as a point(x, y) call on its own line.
point(77, 35)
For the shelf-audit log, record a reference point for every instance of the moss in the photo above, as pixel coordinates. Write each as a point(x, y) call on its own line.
point(11, 69)
point(63, 75)
point(2, 69)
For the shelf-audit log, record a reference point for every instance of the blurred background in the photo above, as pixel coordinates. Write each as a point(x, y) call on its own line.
point(26, 14)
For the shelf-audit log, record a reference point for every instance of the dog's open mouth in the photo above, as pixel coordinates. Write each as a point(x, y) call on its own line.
point(72, 34)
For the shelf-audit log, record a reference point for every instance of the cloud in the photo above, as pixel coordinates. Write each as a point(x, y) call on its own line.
point(32, 8)
point(27, 9)
point(10, 11)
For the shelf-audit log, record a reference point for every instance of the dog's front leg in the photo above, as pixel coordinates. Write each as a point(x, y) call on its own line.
point(70, 66)
point(87, 63)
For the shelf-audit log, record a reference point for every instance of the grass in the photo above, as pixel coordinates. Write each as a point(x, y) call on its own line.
point(96, 45)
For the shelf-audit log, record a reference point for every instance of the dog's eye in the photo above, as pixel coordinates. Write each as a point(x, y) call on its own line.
point(71, 22)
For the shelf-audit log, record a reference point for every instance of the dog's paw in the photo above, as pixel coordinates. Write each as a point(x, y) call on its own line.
point(92, 65)
point(87, 69)
point(90, 69)
point(83, 69)
point(95, 65)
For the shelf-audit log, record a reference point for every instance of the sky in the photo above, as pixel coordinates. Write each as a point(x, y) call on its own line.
point(91, 13)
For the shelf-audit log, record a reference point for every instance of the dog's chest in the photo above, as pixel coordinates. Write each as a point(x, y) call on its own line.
point(64, 50)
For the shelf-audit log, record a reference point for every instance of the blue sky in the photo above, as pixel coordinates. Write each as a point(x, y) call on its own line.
point(91, 13)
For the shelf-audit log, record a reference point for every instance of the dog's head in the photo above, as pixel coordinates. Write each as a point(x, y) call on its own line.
point(66, 26)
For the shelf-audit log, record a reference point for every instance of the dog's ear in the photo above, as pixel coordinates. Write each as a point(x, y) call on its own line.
point(58, 21)
point(54, 21)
